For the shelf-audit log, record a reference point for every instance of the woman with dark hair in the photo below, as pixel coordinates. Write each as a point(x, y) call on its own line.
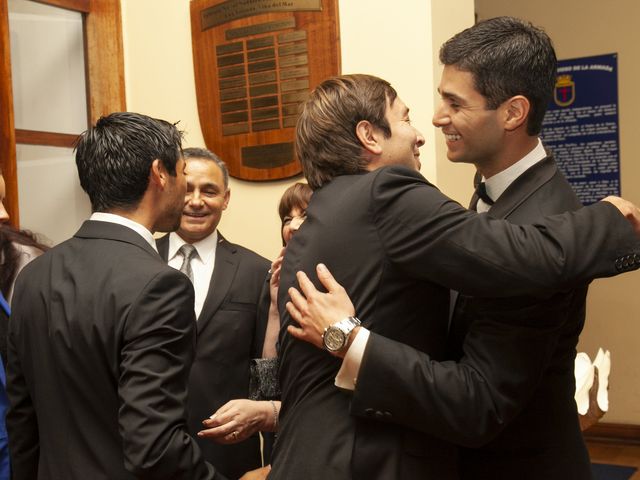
point(17, 248)
point(293, 208)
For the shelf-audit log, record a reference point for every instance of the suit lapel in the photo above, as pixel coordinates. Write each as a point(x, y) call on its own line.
point(523, 186)
point(224, 271)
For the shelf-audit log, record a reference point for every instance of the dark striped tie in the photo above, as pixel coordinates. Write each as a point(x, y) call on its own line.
point(187, 251)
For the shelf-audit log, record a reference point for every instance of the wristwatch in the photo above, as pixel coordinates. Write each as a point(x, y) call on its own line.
point(336, 336)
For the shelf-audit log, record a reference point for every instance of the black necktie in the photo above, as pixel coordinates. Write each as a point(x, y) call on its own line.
point(481, 191)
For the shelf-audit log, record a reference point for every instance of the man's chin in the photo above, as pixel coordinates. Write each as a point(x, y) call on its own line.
point(455, 158)
point(167, 226)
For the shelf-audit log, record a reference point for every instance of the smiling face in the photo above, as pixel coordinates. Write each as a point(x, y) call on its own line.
point(473, 133)
point(403, 146)
point(205, 200)
point(292, 222)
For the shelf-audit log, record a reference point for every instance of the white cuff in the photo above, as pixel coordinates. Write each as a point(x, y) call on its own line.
point(348, 374)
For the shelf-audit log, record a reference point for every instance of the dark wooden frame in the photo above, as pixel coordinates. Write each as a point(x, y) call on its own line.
point(614, 433)
point(105, 83)
point(268, 152)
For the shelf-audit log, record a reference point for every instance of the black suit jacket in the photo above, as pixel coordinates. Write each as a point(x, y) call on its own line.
point(397, 244)
point(532, 343)
point(101, 340)
point(230, 334)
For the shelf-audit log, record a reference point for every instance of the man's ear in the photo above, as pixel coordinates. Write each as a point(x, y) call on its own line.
point(516, 112)
point(368, 136)
point(158, 174)
point(227, 196)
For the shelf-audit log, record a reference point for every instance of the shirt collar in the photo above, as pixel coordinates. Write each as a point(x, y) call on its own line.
point(205, 247)
point(497, 184)
point(125, 222)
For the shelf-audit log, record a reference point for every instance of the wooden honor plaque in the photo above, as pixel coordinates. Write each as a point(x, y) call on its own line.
point(255, 63)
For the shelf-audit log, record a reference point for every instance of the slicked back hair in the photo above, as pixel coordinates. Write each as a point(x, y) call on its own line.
point(507, 57)
point(326, 141)
point(205, 154)
point(114, 158)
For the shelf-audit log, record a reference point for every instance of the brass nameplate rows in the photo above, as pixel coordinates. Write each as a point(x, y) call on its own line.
point(270, 74)
point(255, 62)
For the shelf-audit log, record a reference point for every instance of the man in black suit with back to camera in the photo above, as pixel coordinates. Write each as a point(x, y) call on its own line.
point(103, 333)
point(228, 280)
point(398, 245)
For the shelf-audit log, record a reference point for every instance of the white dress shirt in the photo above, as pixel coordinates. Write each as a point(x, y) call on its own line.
point(126, 222)
point(496, 185)
point(201, 264)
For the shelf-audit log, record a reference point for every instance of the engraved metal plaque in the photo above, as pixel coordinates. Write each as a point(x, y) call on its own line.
point(262, 78)
point(233, 106)
point(260, 28)
point(268, 156)
point(255, 63)
point(294, 73)
point(290, 110)
point(231, 10)
point(231, 82)
point(263, 42)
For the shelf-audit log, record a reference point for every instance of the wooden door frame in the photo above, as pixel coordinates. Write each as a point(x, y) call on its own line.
point(104, 61)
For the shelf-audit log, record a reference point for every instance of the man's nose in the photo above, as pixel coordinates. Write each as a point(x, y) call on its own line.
point(440, 117)
point(194, 199)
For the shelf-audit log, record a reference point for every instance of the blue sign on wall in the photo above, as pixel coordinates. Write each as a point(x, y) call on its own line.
point(581, 126)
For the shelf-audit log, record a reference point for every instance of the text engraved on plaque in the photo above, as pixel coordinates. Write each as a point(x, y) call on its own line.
point(234, 9)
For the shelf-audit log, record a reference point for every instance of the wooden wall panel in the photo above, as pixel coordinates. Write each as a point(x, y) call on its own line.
point(76, 5)
point(7, 132)
point(105, 59)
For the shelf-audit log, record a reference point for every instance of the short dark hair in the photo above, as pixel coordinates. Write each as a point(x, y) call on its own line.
point(326, 141)
point(205, 154)
point(507, 57)
point(297, 195)
point(114, 157)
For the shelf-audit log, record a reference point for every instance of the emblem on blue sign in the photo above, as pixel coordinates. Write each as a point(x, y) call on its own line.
point(565, 92)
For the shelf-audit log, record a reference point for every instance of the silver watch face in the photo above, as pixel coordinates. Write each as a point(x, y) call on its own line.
point(334, 339)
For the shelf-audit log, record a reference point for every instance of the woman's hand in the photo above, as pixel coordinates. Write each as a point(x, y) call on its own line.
point(238, 419)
